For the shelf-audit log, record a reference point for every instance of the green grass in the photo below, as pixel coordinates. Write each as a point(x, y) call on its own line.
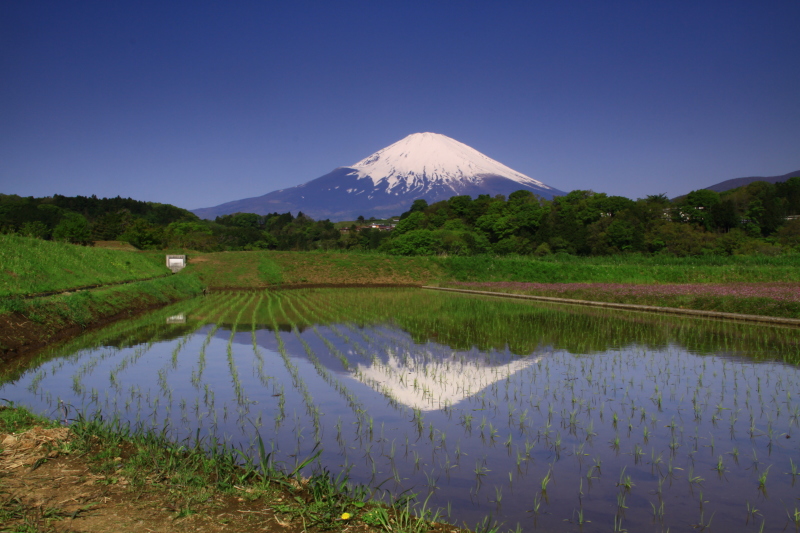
point(31, 266)
point(47, 316)
point(633, 268)
point(15, 419)
point(264, 269)
point(82, 306)
point(189, 477)
point(269, 271)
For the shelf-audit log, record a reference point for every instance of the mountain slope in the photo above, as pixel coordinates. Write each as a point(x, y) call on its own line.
point(739, 182)
point(423, 165)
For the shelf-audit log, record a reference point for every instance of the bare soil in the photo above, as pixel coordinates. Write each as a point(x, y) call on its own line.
point(45, 488)
point(21, 337)
point(56, 491)
point(116, 245)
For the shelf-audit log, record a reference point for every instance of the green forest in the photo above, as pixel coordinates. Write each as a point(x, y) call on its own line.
point(760, 218)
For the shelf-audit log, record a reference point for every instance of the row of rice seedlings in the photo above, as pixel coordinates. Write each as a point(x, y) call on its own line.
point(229, 307)
point(297, 380)
point(622, 408)
point(234, 373)
point(158, 411)
point(364, 354)
point(672, 426)
point(259, 356)
point(355, 405)
point(265, 379)
point(97, 357)
point(573, 414)
point(172, 364)
point(277, 387)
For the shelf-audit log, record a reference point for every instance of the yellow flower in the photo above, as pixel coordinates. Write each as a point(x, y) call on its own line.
point(345, 516)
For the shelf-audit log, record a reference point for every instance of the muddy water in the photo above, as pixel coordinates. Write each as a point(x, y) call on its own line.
point(546, 417)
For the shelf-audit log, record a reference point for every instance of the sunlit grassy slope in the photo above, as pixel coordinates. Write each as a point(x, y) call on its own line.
point(30, 266)
point(261, 269)
point(633, 268)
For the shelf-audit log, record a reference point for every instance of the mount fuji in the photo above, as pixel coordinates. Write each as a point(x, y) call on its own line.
point(429, 166)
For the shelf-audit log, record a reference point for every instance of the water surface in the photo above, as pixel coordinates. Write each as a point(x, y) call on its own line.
point(556, 418)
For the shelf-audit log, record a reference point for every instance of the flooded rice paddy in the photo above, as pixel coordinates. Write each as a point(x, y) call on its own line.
point(547, 418)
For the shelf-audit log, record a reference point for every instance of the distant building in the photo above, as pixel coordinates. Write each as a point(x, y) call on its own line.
point(176, 263)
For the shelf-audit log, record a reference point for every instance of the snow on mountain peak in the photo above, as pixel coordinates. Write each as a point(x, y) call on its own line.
point(433, 158)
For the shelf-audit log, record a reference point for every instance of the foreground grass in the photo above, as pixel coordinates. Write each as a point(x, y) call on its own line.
point(184, 485)
point(31, 266)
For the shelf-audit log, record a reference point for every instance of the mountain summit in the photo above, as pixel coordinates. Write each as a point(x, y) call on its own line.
point(430, 166)
point(423, 161)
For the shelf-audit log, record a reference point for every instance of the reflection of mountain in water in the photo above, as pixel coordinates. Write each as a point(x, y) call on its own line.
point(426, 381)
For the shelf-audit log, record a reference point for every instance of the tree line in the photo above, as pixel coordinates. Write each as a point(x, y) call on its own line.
point(758, 218)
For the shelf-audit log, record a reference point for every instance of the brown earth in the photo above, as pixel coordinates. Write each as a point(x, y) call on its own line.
point(46, 487)
point(115, 245)
point(20, 335)
point(43, 487)
point(22, 338)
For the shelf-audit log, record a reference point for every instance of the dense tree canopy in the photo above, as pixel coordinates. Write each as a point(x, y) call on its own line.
point(757, 218)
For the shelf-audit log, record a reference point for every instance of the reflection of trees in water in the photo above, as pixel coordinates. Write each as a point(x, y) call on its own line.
point(460, 322)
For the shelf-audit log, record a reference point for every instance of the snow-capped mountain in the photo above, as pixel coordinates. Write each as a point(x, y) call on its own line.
point(430, 166)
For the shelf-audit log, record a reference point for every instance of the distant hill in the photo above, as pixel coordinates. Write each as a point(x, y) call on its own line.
point(740, 182)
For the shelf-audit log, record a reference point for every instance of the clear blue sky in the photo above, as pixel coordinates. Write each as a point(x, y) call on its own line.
point(197, 103)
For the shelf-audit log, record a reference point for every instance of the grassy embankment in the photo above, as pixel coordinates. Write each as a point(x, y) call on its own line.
point(128, 282)
point(633, 268)
point(99, 477)
point(757, 285)
point(31, 266)
point(256, 270)
point(740, 284)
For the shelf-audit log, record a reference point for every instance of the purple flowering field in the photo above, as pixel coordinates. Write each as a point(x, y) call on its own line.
point(774, 299)
point(786, 292)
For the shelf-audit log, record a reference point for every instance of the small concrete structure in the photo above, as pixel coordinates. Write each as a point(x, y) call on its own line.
point(177, 319)
point(176, 263)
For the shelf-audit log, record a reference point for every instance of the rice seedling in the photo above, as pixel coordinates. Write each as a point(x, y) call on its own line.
point(390, 369)
point(794, 518)
point(625, 481)
point(762, 480)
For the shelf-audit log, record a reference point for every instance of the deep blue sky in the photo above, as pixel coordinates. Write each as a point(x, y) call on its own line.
point(196, 103)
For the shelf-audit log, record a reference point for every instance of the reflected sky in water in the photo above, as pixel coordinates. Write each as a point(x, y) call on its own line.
point(477, 403)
